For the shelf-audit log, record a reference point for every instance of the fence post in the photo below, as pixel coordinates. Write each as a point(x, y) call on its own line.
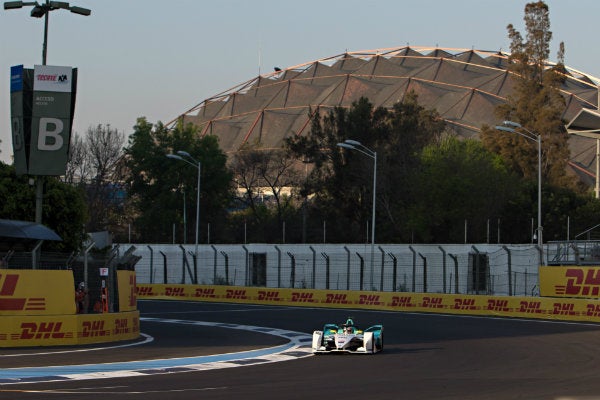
point(424, 272)
point(185, 265)
point(414, 268)
point(36, 255)
point(382, 264)
point(455, 259)
point(193, 255)
point(443, 267)
point(476, 272)
point(314, 262)
point(576, 252)
point(247, 265)
point(292, 270)
point(151, 264)
point(164, 267)
point(347, 268)
point(541, 251)
point(509, 260)
point(395, 270)
point(214, 264)
point(278, 266)
point(326, 257)
point(226, 256)
point(362, 269)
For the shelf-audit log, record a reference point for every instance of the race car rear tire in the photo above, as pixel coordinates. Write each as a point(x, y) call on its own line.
point(380, 346)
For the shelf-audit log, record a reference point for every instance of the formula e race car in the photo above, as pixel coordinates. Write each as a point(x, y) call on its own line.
point(348, 338)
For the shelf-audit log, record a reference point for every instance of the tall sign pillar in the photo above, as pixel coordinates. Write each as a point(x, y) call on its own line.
point(51, 119)
point(42, 108)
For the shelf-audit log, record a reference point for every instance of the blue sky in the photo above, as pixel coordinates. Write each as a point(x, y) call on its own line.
point(158, 59)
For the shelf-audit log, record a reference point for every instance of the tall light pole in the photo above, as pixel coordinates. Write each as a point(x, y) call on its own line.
point(43, 10)
point(39, 11)
point(355, 145)
point(510, 126)
point(186, 157)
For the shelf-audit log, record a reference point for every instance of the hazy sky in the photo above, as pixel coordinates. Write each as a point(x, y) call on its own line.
point(158, 59)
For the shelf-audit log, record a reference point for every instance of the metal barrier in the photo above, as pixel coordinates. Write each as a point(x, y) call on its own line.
point(459, 269)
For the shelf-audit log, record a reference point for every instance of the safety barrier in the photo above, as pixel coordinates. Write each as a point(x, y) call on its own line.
point(37, 308)
point(570, 281)
point(61, 330)
point(36, 292)
point(503, 306)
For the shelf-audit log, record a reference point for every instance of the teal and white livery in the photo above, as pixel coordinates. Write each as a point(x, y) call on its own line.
point(348, 338)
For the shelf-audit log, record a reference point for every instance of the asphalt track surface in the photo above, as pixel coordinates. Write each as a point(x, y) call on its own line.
point(425, 357)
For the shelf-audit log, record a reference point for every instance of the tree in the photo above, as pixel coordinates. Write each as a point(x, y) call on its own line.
point(94, 165)
point(255, 169)
point(63, 210)
point(157, 185)
point(412, 128)
point(341, 180)
point(458, 181)
point(536, 103)
point(78, 166)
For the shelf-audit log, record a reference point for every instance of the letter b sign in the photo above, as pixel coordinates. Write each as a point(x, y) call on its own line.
point(49, 146)
point(50, 138)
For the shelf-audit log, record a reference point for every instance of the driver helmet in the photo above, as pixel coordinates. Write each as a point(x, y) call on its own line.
point(349, 325)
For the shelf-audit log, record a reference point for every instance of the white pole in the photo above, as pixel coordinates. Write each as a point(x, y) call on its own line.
point(197, 212)
point(373, 216)
point(540, 241)
point(597, 189)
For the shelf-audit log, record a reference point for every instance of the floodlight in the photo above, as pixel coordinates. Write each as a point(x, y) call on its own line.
point(59, 4)
point(511, 123)
point(9, 5)
point(353, 142)
point(80, 10)
point(38, 11)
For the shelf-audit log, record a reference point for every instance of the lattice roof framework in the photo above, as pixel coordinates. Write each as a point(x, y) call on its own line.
point(463, 85)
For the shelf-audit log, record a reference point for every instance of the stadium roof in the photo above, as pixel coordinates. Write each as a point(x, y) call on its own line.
point(463, 85)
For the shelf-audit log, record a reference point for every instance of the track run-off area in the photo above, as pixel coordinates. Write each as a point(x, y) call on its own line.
point(192, 350)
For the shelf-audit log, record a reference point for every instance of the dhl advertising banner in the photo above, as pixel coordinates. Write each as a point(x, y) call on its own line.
point(126, 285)
point(55, 330)
point(523, 307)
point(575, 281)
point(36, 292)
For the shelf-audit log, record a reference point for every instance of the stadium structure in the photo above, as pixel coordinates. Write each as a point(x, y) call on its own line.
point(463, 85)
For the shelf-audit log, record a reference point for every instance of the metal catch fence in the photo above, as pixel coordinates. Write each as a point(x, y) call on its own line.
point(465, 269)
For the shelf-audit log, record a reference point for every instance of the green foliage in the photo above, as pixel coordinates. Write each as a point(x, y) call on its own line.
point(18, 197)
point(457, 181)
point(536, 103)
point(63, 208)
point(341, 180)
point(157, 184)
point(66, 212)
